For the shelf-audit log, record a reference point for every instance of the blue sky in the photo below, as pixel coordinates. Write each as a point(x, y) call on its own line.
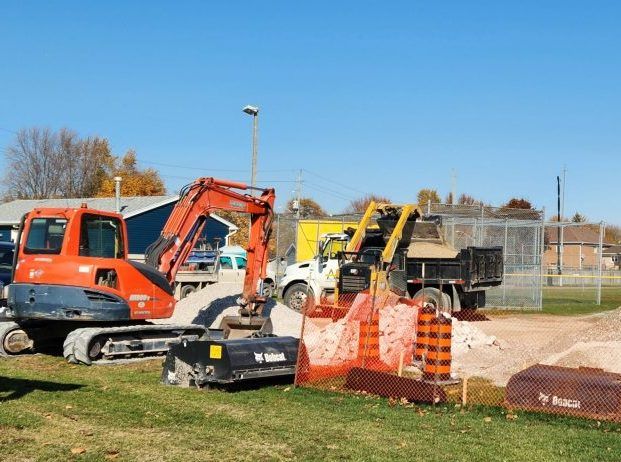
point(383, 97)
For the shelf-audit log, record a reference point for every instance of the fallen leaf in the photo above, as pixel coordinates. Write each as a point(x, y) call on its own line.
point(68, 406)
point(487, 419)
point(511, 417)
point(48, 416)
point(287, 389)
point(112, 454)
point(78, 450)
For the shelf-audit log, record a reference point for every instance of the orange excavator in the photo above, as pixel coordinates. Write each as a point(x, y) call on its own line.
point(72, 280)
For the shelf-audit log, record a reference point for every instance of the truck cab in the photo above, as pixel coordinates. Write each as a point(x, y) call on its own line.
point(315, 277)
point(204, 267)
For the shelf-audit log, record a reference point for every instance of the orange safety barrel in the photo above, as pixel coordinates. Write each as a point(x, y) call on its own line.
point(423, 330)
point(438, 359)
point(368, 342)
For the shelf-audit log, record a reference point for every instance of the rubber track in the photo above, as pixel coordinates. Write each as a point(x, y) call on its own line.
point(76, 345)
point(5, 328)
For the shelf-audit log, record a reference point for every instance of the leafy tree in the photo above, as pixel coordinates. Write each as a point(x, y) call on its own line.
point(135, 182)
point(578, 218)
point(242, 221)
point(518, 203)
point(427, 195)
point(613, 234)
point(449, 199)
point(308, 208)
point(360, 205)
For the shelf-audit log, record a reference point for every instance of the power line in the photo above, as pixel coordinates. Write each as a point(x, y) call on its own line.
point(330, 192)
point(335, 182)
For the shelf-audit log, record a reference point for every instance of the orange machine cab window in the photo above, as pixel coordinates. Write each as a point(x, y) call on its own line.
point(100, 237)
point(45, 236)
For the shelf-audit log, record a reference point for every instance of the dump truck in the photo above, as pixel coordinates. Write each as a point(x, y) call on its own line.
point(432, 268)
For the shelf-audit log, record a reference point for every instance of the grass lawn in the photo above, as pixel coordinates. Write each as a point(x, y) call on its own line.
point(575, 300)
point(49, 408)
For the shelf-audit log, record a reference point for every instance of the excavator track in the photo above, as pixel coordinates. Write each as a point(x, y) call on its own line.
point(104, 345)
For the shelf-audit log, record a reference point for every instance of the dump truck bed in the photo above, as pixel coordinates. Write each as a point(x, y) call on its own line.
point(474, 268)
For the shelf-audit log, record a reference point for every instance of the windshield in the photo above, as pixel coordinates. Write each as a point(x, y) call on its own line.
point(45, 235)
point(101, 237)
point(331, 248)
point(6, 258)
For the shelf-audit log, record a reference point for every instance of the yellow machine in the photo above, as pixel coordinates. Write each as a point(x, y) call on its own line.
point(367, 260)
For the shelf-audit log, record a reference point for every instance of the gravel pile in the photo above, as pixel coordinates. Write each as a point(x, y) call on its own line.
point(598, 346)
point(207, 307)
point(466, 336)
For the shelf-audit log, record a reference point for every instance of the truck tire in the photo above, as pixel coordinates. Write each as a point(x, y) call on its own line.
point(296, 295)
point(440, 300)
point(186, 290)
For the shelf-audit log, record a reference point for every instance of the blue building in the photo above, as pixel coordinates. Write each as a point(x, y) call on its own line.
point(145, 217)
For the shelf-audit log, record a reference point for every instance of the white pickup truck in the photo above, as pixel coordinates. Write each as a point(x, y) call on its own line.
point(204, 267)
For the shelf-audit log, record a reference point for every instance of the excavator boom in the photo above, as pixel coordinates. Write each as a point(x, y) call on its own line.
point(184, 226)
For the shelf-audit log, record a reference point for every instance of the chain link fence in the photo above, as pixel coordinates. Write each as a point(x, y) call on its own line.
point(399, 348)
point(520, 233)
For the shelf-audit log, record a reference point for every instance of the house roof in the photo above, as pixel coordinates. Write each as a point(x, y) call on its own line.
point(12, 212)
point(613, 250)
point(575, 235)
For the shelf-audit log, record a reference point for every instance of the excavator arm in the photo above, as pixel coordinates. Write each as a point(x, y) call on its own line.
point(197, 201)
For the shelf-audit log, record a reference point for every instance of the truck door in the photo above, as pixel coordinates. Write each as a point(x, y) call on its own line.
point(240, 262)
point(227, 272)
point(329, 262)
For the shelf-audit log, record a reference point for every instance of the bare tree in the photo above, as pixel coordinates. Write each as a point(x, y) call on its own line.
point(360, 205)
point(466, 199)
point(42, 163)
point(34, 164)
point(85, 163)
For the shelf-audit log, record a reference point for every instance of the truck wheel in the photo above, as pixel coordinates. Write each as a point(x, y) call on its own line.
point(187, 290)
point(296, 296)
point(439, 300)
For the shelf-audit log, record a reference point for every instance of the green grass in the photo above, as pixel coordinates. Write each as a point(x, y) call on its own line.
point(575, 300)
point(48, 408)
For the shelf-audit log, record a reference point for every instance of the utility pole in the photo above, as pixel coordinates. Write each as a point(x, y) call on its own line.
point(254, 112)
point(299, 195)
point(454, 185)
point(563, 194)
point(558, 228)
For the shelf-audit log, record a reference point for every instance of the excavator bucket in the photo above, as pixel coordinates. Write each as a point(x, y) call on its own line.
point(245, 326)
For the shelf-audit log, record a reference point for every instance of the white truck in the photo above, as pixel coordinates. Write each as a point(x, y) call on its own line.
point(204, 267)
point(314, 277)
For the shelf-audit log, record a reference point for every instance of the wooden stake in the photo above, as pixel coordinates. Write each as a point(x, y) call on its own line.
point(401, 358)
point(464, 390)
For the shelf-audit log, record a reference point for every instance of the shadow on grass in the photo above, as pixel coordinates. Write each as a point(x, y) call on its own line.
point(11, 388)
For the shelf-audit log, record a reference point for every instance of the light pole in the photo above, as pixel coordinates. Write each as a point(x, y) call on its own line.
point(254, 112)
